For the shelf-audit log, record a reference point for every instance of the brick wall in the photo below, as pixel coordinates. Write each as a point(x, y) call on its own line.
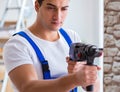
point(112, 46)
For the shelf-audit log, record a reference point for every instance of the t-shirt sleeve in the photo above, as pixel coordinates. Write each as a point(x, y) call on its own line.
point(16, 53)
point(73, 35)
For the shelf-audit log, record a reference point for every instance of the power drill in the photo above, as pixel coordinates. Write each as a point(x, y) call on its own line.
point(80, 52)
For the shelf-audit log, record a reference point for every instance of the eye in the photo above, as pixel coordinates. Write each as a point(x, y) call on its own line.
point(50, 8)
point(64, 9)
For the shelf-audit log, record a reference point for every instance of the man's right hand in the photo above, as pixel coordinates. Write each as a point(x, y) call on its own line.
point(84, 74)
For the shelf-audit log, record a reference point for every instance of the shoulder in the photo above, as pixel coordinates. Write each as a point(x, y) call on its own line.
point(69, 31)
point(16, 41)
point(72, 34)
point(16, 52)
point(16, 44)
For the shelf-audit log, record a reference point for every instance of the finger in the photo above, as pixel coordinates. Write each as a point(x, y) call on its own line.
point(67, 59)
point(98, 67)
point(91, 80)
point(84, 62)
point(92, 73)
point(71, 62)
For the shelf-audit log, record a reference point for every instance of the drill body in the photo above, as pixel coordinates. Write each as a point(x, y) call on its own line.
point(80, 52)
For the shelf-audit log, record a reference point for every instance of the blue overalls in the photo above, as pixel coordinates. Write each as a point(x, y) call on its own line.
point(44, 63)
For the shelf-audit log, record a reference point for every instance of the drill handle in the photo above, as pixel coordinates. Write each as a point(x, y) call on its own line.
point(90, 61)
point(89, 88)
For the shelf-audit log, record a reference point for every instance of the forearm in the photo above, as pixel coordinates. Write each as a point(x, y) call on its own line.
point(63, 84)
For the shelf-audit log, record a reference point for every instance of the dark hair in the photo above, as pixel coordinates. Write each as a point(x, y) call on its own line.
point(40, 2)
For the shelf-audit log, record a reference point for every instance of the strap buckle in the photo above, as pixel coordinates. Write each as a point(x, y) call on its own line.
point(45, 66)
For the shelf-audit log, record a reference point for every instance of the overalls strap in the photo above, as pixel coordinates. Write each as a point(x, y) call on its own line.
point(44, 63)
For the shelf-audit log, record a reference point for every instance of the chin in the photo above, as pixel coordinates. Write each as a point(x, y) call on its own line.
point(55, 28)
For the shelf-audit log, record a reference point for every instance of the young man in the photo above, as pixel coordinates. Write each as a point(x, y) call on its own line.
point(23, 65)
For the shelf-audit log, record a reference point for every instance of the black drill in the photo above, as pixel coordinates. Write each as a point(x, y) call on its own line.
point(85, 52)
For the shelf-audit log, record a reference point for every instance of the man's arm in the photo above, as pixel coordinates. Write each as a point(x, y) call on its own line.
point(25, 79)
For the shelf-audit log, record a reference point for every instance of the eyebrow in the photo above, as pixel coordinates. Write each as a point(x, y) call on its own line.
point(55, 6)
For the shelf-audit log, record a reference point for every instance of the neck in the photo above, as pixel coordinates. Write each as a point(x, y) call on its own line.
point(49, 35)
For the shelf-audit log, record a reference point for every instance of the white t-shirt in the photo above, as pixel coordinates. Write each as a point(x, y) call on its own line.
point(18, 51)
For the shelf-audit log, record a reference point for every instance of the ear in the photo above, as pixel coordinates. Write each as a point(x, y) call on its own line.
point(37, 6)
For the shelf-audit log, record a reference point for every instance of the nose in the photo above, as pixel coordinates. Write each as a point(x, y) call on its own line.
point(57, 15)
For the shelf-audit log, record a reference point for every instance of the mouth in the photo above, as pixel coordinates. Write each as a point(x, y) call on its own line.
point(56, 23)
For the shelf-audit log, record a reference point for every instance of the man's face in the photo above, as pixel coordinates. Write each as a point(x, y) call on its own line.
point(52, 13)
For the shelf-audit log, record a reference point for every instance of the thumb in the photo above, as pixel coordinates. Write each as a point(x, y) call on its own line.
point(67, 59)
point(98, 67)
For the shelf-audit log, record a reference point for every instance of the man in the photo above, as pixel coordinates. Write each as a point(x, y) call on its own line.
point(22, 63)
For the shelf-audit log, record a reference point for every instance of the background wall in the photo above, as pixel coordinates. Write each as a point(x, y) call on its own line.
point(112, 46)
point(86, 17)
